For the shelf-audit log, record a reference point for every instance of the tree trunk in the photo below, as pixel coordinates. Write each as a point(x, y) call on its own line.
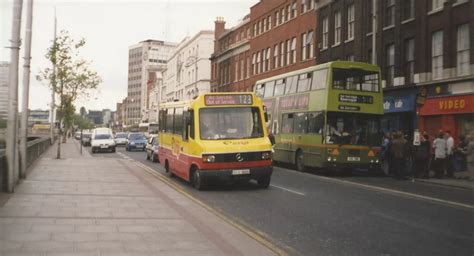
point(58, 154)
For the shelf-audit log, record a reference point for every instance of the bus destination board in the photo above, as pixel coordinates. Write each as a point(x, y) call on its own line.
point(356, 98)
point(349, 108)
point(234, 99)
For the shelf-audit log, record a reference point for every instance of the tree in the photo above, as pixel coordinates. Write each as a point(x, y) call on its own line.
point(82, 122)
point(70, 79)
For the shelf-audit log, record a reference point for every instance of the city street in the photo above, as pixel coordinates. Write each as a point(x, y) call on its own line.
point(310, 214)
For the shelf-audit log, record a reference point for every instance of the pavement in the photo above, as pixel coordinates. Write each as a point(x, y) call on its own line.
point(450, 182)
point(83, 205)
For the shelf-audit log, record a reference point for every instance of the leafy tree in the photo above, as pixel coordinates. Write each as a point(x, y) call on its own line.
point(82, 122)
point(72, 78)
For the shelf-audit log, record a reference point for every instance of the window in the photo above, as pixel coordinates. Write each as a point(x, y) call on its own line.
point(241, 76)
point(304, 82)
point(307, 50)
point(291, 83)
point(325, 32)
point(259, 90)
point(236, 66)
point(230, 123)
point(282, 16)
point(436, 4)
point(390, 65)
point(287, 123)
point(279, 87)
point(265, 24)
point(355, 79)
point(294, 9)
point(437, 55)
point(277, 18)
point(169, 120)
point(260, 23)
point(288, 12)
point(269, 87)
point(304, 5)
point(288, 52)
point(390, 13)
point(408, 9)
point(267, 59)
point(350, 22)
point(337, 28)
point(255, 29)
point(319, 79)
point(254, 67)
point(463, 61)
point(269, 22)
point(178, 121)
point(258, 63)
point(315, 122)
point(301, 123)
point(282, 54)
point(275, 56)
point(293, 50)
point(410, 60)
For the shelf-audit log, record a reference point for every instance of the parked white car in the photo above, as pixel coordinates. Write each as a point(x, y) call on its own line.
point(102, 140)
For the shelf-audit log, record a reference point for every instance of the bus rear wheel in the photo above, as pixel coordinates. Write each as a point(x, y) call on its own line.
point(299, 161)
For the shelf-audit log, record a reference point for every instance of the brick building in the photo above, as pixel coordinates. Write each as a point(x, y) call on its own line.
point(276, 37)
point(423, 47)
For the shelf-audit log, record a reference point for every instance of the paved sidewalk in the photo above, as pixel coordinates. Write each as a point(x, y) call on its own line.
point(84, 205)
point(458, 183)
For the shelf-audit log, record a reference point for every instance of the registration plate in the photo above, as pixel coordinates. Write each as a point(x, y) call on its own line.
point(104, 146)
point(241, 172)
point(353, 158)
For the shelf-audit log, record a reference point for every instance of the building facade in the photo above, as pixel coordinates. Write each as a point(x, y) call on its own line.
point(146, 61)
point(4, 83)
point(278, 36)
point(424, 49)
point(189, 68)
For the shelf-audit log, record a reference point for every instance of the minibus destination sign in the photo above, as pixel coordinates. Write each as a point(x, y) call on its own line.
point(235, 99)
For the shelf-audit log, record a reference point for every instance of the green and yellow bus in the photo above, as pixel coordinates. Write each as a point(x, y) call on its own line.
point(326, 116)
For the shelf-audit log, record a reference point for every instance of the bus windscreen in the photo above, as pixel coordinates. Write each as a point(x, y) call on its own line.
point(230, 123)
point(353, 129)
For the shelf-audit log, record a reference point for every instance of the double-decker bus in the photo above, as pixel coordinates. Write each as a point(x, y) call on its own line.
point(326, 116)
point(216, 136)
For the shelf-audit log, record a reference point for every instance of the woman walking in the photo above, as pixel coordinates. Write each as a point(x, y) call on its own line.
point(439, 145)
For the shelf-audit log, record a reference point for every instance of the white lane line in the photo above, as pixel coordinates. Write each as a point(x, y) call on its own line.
point(289, 190)
point(391, 191)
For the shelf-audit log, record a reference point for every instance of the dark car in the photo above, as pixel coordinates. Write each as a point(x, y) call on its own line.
point(152, 149)
point(86, 139)
point(136, 141)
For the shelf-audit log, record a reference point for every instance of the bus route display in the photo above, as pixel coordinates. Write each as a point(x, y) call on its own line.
point(234, 99)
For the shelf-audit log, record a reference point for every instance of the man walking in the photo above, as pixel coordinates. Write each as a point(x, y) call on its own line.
point(449, 154)
point(439, 145)
point(398, 152)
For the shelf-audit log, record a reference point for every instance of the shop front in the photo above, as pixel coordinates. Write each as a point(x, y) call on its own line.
point(399, 112)
point(453, 113)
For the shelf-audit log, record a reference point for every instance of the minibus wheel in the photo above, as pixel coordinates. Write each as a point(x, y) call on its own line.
point(264, 182)
point(197, 180)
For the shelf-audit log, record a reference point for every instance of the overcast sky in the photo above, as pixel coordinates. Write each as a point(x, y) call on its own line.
point(110, 27)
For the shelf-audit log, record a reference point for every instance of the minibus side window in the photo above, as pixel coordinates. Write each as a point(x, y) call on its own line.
point(191, 124)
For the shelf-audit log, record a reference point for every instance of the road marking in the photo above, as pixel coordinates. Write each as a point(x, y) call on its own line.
point(391, 191)
point(289, 190)
point(257, 235)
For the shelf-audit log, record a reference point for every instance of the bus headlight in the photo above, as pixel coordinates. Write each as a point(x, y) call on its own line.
point(376, 161)
point(266, 155)
point(329, 159)
point(209, 159)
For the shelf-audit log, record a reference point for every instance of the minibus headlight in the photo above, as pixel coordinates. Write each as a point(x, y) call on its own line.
point(377, 161)
point(266, 155)
point(329, 159)
point(209, 159)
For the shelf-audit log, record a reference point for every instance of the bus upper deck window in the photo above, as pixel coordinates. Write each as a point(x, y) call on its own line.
point(269, 87)
point(319, 79)
point(291, 83)
point(279, 87)
point(259, 90)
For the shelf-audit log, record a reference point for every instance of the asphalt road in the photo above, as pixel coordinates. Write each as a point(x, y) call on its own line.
point(311, 214)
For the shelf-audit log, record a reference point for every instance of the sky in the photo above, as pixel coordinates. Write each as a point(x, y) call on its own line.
point(109, 28)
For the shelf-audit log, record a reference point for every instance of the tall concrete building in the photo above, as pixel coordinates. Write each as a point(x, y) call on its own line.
point(146, 61)
point(188, 72)
point(4, 81)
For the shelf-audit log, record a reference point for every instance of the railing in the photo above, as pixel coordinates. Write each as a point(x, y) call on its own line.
point(35, 149)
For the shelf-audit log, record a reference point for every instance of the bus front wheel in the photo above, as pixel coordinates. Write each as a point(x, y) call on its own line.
point(299, 160)
point(264, 182)
point(197, 180)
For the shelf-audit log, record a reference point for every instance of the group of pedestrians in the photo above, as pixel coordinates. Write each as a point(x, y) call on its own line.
point(403, 158)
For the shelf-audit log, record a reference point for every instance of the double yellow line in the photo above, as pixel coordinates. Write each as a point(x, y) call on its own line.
point(256, 235)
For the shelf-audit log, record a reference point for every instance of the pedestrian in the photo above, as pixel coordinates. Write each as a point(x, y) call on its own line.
point(460, 153)
point(398, 155)
point(439, 145)
point(387, 141)
point(449, 154)
point(422, 158)
point(470, 155)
